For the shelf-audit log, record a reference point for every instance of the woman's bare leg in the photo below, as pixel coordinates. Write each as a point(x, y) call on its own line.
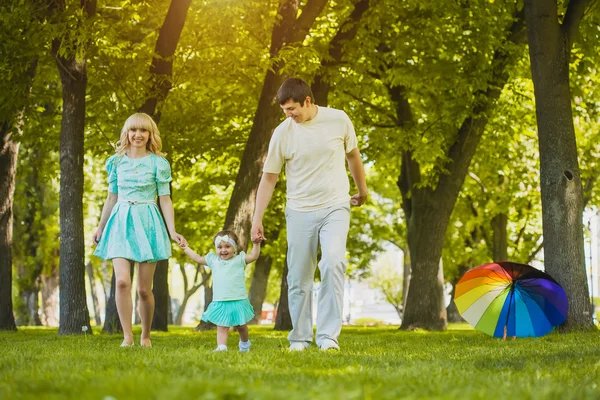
point(146, 301)
point(123, 297)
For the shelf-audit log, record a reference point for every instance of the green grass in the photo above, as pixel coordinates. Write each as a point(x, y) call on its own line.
point(374, 363)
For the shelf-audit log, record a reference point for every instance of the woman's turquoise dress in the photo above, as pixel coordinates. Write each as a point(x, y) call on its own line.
point(135, 229)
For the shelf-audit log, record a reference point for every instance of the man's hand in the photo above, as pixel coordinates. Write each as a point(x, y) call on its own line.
point(358, 199)
point(257, 234)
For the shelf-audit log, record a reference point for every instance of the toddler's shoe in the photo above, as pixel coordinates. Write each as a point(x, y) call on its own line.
point(220, 347)
point(245, 346)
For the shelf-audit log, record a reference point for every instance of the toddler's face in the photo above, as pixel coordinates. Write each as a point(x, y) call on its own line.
point(138, 137)
point(225, 251)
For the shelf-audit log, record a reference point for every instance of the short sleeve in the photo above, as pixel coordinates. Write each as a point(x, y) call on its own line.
point(350, 142)
point(242, 257)
point(211, 258)
point(275, 159)
point(111, 169)
point(163, 176)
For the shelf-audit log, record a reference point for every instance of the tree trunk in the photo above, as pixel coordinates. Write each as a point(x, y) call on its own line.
point(136, 313)
point(208, 295)
point(346, 33)
point(111, 315)
point(560, 179)
point(8, 169)
point(428, 209)
point(50, 298)
point(106, 279)
point(186, 297)
point(161, 72)
point(260, 279)
point(406, 274)
point(161, 69)
point(289, 30)
point(283, 320)
point(451, 310)
point(500, 238)
point(258, 288)
point(73, 307)
point(188, 292)
point(95, 302)
point(27, 312)
point(9, 150)
point(160, 289)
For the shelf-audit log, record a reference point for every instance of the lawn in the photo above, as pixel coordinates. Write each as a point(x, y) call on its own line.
point(374, 363)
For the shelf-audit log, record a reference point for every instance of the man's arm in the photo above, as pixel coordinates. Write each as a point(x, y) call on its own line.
point(357, 170)
point(263, 197)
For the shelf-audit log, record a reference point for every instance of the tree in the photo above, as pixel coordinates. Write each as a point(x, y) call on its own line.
point(437, 146)
point(550, 43)
point(19, 28)
point(289, 31)
point(70, 57)
point(390, 282)
point(283, 319)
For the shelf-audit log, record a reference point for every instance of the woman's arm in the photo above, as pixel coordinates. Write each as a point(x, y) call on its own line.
point(110, 202)
point(254, 253)
point(166, 206)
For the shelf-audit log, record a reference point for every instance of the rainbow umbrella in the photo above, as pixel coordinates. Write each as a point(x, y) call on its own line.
point(527, 301)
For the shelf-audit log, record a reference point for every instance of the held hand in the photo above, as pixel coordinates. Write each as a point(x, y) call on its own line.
point(257, 233)
point(179, 239)
point(358, 199)
point(96, 237)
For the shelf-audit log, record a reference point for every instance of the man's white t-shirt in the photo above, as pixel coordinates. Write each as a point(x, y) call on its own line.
point(314, 154)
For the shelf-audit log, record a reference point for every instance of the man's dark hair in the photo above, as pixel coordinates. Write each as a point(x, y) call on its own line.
point(294, 89)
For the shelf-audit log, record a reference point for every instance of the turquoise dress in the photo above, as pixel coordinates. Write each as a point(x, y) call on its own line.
point(230, 305)
point(135, 229)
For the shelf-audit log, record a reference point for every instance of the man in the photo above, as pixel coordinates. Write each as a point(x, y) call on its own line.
point(313, 143)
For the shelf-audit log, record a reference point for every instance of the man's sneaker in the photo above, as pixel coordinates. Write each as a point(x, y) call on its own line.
point(220, 347)
point(329, 345)
point(245, 346)
point(298, 346)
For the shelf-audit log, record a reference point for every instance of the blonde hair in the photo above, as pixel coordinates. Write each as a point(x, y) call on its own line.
point(140, 121)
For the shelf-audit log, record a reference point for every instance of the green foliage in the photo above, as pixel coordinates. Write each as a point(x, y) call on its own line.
point(389, 281)
point(378, 363)
point(439, 52)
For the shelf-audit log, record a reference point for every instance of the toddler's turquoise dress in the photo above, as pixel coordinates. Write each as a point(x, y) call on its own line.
point(230, 305)
point(135, 229)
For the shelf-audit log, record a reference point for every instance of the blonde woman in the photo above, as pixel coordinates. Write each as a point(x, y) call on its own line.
point(131, 227)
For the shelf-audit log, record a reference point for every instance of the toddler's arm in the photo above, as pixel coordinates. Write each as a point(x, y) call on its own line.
point(254, 253)
point(194, 256)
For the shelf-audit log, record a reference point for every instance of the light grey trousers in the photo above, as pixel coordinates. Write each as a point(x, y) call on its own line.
point(305, 230)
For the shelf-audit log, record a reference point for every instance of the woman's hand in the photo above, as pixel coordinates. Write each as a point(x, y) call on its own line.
point(179, 239)
point(96, 236)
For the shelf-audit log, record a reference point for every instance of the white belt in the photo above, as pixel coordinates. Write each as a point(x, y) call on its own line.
point(136, 202)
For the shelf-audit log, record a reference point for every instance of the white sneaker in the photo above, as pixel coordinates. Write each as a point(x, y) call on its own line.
point(329, 345)
point(245, 346)
point(220, 347)
point(298, 346)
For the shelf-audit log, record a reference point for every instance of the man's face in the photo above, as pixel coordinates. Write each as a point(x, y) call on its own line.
point(298, 112)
